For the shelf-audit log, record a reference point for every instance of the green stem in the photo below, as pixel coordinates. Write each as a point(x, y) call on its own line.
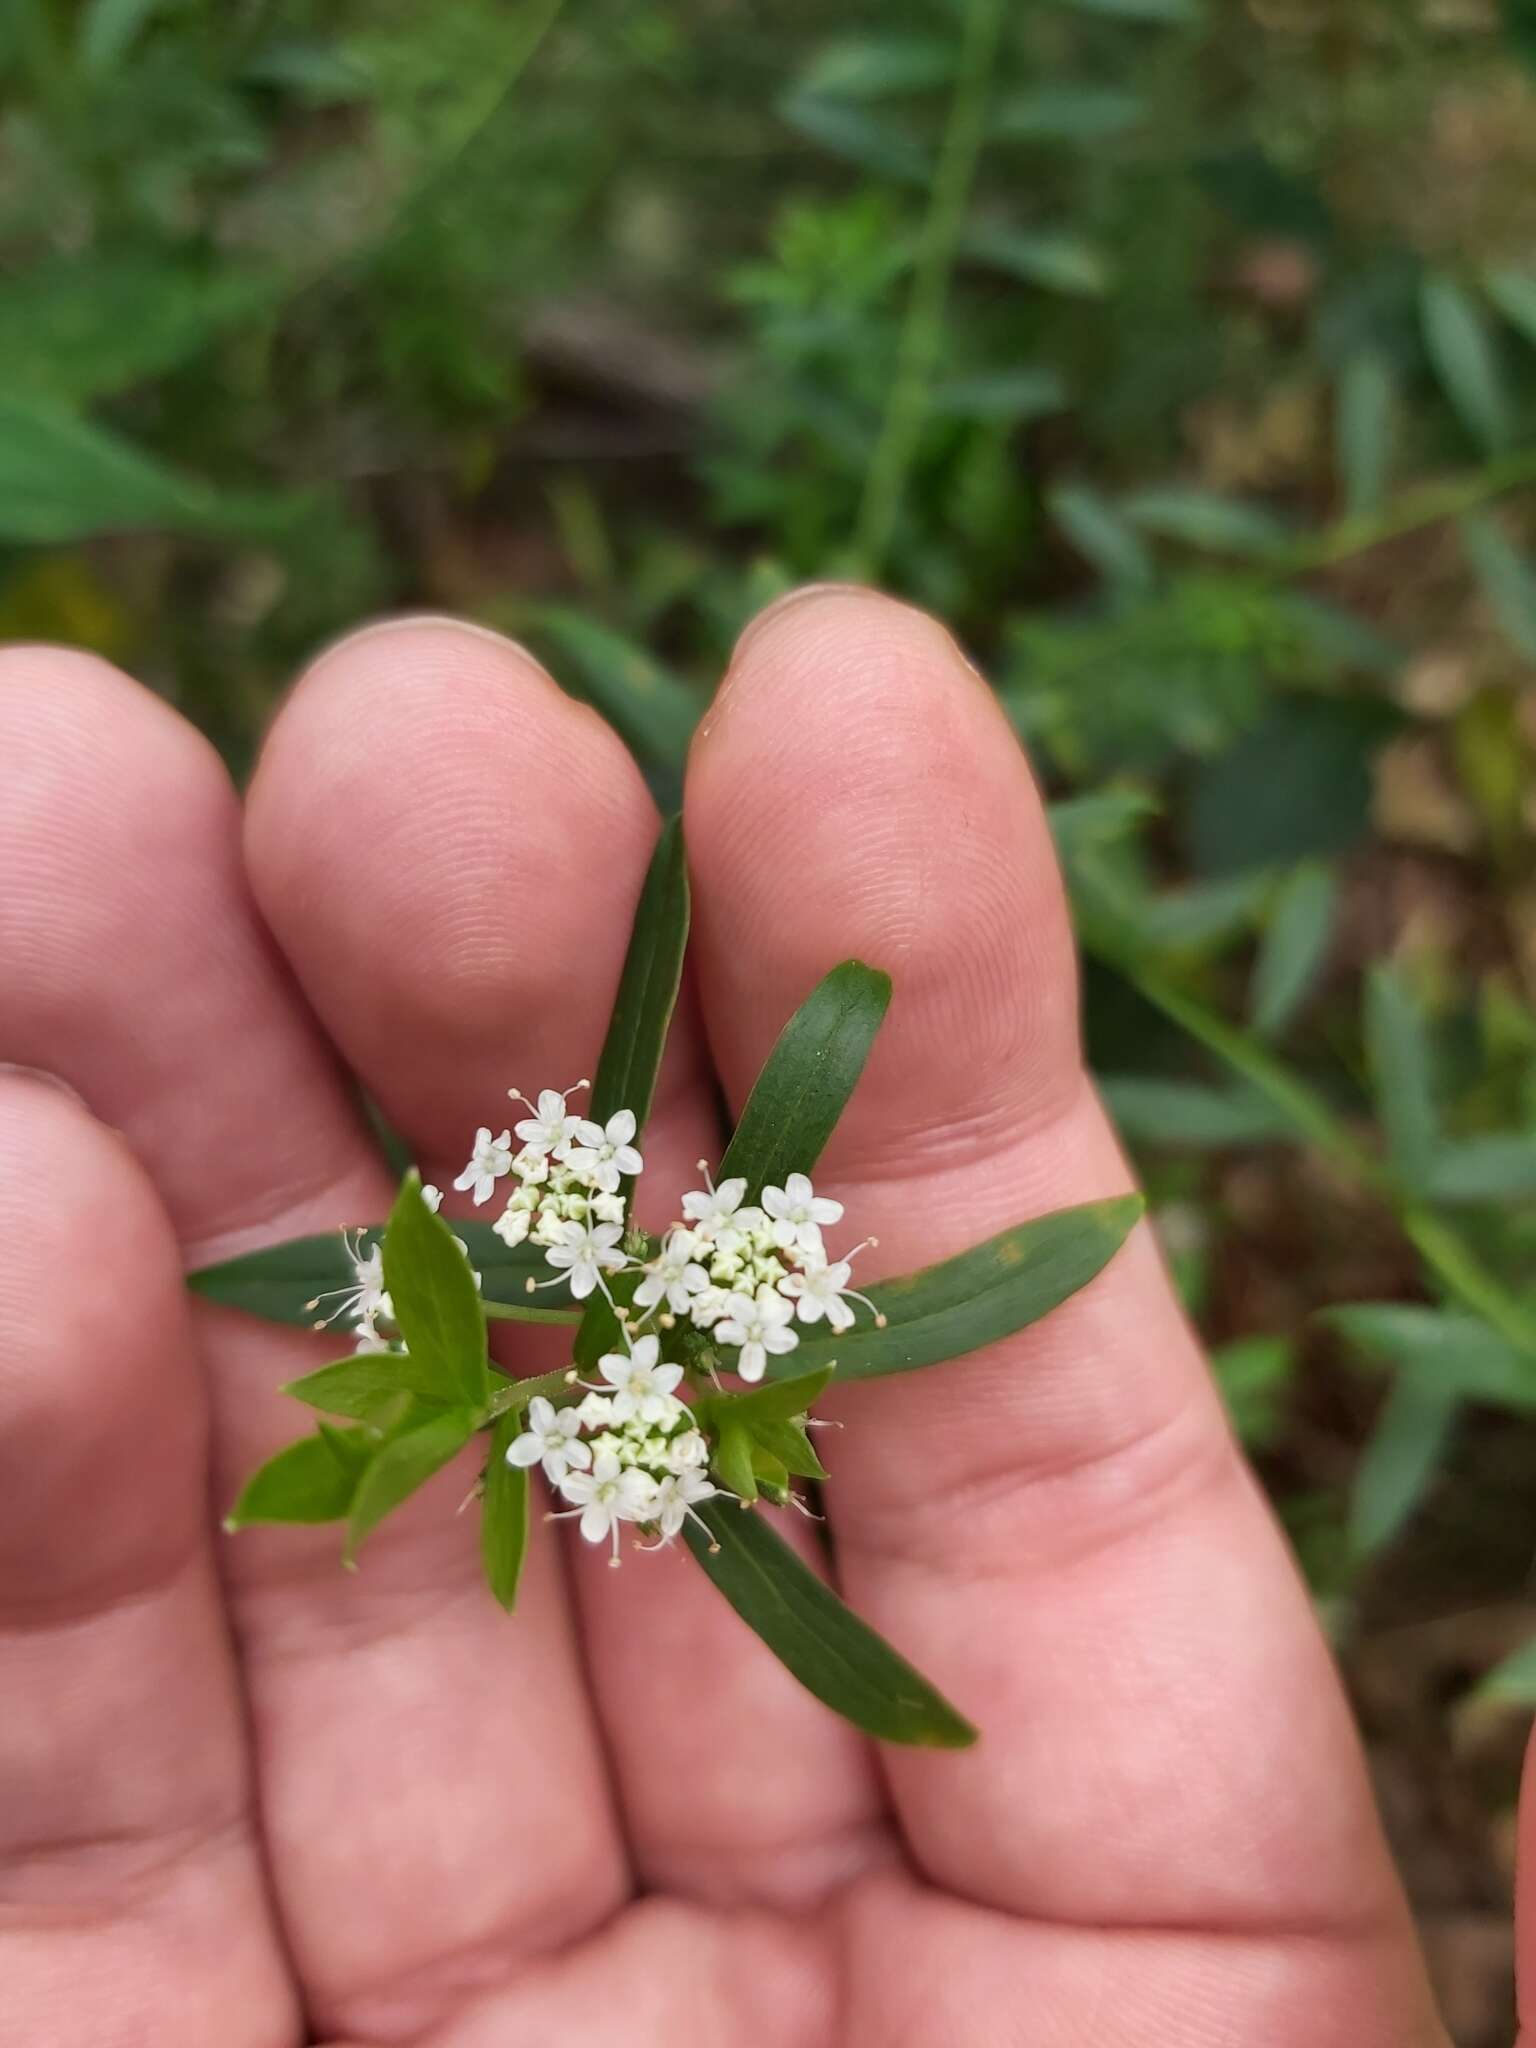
point(1410, 512)
point(1447, 1254)
point(922, 333)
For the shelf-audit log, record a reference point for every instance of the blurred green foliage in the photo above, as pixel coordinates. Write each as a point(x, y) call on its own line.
point(1181, 352)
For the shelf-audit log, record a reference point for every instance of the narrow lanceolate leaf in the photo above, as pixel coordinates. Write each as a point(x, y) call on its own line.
point(282, 1283)
point(1498, 1168)
point(1444, 1347)
point(1401, 1061)
point(402, 1465)
point(1293, 947)
point(1363, 431)
point(313, 1480)
point(436, 1302)
point(1461, 347)
point(983, 1295)
point(808, 1077)
point(1508, 581)
point(1400, 1461)
point(653, 966)
point(832, 1653)
point(504, 1515)
point(1188, 1114)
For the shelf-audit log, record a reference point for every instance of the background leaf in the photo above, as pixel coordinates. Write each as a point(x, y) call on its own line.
point(807, 1078)
point(1400, 1461)
point(1401, 1061)
point(977, 1298)
point(1293, 947)
point(1461, 348)
point(1190, 1114)
point(1498, 1168)
point(1363, 428)
point(1507, 578)
point(1447, 1350)
point(63, 479)
point(832, 1653)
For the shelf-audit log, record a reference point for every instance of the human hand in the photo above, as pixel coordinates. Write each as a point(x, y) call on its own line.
point(247, 1798)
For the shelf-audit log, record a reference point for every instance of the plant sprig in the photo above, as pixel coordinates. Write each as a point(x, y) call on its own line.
point(742, 1286)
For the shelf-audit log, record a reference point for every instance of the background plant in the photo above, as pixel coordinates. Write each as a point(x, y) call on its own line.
point(1180, 354)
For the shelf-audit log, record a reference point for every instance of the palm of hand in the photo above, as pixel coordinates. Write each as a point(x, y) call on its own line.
point(369, 1806)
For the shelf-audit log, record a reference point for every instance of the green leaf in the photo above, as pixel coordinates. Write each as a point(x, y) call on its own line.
point(1447, 1349)
point(1506, 577)
point(1296, 786)
point(1202, 519)
point(1402, 1064)
point(651, 709)
point(1060, 112)
point(847, 131)
point(1514, 293)
point(834, 1655)
point(402, 1465)
point(435, 1300)
point(504, 1514)
point(879, 67)
point(1169, 11)
point(774, 1401)
point(74, 330)
point(1465, 357)
point(1056, 262)
point(1400, 1462)
point(1011, 397)
point(1514, 1679)
point(977, 1298)
point(1098, 532)
point(283, 1283)
point(313, 1480)
point(1363, 430)
point(62, 479)
point(807, 1078)
point(1499, 1168)
point(1293, 948)
point(653, 967)
point(1083, 824)
point(107, 31)
point(1187, 1114)
point(366, 1387)
point(1254, 1374)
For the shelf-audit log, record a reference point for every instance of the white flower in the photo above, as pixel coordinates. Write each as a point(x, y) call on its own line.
point(531, 1166)
point(642, 1383)
point(491, 1158)
point(596, 1411)
point(757, 1324)
point(367, 1298)
point(606, 1151)
point(798, 1213)
point(552, 1125)
point(608, 1208)
point(675, 1498)
point(433, 1197)
point(674, 1275)
point(687, 1450)
point(608, 1495)
point(552, 1439)
point(511, 1226)
point(711, 1207)
point(585, 1251)
point(819, 1290)
point(709, 1305)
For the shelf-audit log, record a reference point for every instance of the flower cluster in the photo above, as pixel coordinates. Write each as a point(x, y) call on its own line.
point(741, 1279)
point(626, 1452)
